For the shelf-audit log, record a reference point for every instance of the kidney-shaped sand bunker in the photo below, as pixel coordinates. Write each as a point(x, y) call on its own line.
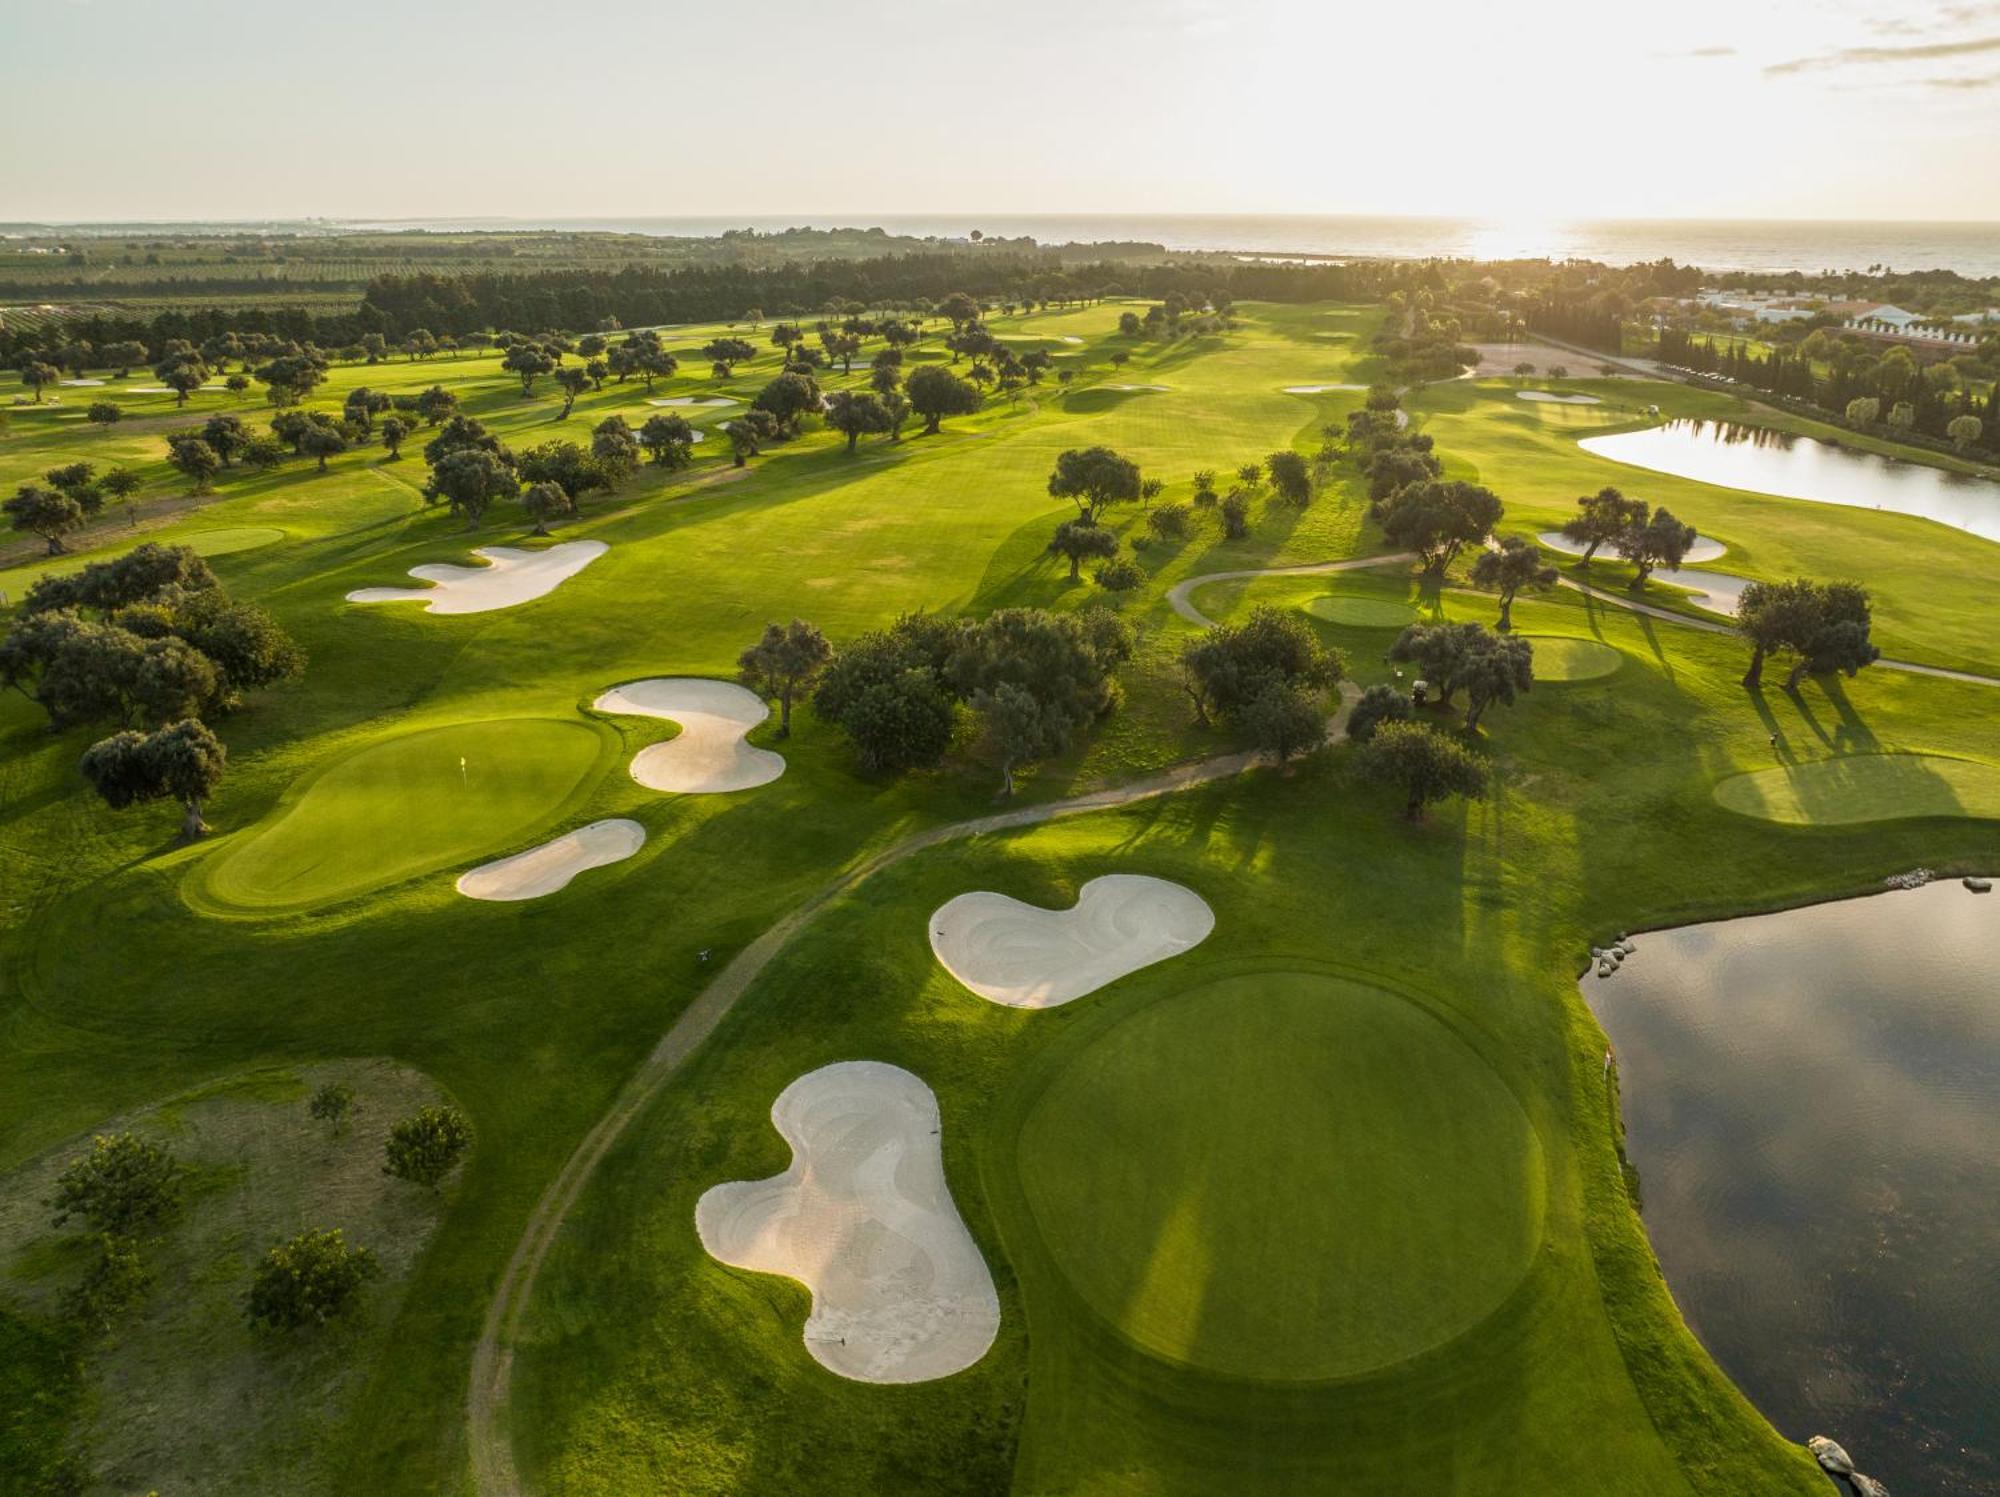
point(865, 1220)
point(709, 756)
point(1028, 957)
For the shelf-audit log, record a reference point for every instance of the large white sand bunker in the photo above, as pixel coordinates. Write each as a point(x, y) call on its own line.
point(710, 754)
point(1028, 957)
point(865, 1220)
point(545, 869)
point(1319, 389)
point(509, 577)
point(694, 400)
point(1549, 397)
point(1135, 389)
point(1705, 548)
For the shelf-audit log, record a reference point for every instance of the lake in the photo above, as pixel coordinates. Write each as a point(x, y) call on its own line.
point(1734, 456)
point(1812, 1100)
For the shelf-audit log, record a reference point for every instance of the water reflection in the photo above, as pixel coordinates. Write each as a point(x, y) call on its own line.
point(1812, 1099)
point(1732, 455)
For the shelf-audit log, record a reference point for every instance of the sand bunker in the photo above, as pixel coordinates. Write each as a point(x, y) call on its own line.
point(701, 400)
point(1026, 957)
point(1319, 389)
point(710, 755)
point(1135, 389)
point(545, 869)
point(865, 1220)
point(78, 384)
point(1549, 397)
point(1718, 592)
point(1704, 548)
point(509, 577)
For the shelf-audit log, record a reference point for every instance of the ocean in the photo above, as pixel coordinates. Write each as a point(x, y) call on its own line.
point(1971, 249)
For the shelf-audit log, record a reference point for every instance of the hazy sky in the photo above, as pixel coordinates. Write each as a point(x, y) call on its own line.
point(1523, 110)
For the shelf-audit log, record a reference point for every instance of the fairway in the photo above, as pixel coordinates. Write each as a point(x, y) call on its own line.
point(1362, 613)
point(402, 808)
point(1562, 657)
point(1284, 1176)
point(223, 540)
point(1865, 787)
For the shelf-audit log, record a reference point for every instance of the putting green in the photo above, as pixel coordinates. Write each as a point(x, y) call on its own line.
point(1359, 612)
point(1864, 787)
point(405, 807)
point(1285, 1176)
point(1564, 657)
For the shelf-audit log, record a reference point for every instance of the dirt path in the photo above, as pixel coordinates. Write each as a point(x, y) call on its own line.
point(489, 1443)
point(1180, 597)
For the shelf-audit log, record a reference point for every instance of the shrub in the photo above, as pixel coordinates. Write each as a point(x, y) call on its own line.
point(1121, 576)
point(309, 1280)
point(423, 1147)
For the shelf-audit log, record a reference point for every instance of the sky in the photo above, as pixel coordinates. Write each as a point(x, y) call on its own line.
point(1528, 111)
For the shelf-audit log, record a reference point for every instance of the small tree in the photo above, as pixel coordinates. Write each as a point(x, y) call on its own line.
point(545, 502)
point(109, 413)
point(1496, 668)
point(748, 433)
point(38, 376)
point(309, 1280)
point(1015, 729)
point(1284, 719)
point(183, 374)
point(1964, 431)
point(1379, 704)
point(1095, 478)
point(1601, 519)
point(183, 762)
point(1516, 564)
point(333, 1104)
point(1662, 541)
point(1170, 522)
point(423, 1147)
point(190, 455)
point(113, 1284)
point(1823, 625)
point(786, 661)
point(48, 513)
point(124, 1186)
point(614, 449)
point(1121, 576)
point(855, 412)
point(1082, 540)
point(1864, 411)
point(322, 442)
point(935, 392)
point(470, 480)
point(1291, 478)
point(1422, 763)
point(1438, 518)
point(669, 440)
point(572, 382)
point(395, 430)
point(1235, 512)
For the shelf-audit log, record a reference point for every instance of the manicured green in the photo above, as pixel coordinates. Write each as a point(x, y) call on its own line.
point(1561, 657)
point(1361, 613)
point(1288, 1176)
point(1864, 787)
point(404, 807)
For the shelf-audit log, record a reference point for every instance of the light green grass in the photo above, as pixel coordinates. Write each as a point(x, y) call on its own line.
point(1288, 1176)
point(1566, 658)
point(1864, 787)
point(403, 807)
point(1361, 612)
point(224, 540)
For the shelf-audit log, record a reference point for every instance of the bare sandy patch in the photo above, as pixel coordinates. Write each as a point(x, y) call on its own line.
point(1549, 397)
point(695, 400)
point(1027, 957)
point(545, 869)
point(709, 757)
point(865, 1220)
point(79, 384)
point(1135, 389)
point(1319, 389)
point(509, 577)
point(1504, 358)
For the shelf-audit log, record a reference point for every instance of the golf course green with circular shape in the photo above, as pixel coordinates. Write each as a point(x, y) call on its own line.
point(404, 807)
point(1361, 612)
point(1564, 657)
point(1286, 1176)
point(1864, 787)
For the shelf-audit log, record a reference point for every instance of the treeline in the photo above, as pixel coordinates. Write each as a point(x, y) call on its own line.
point(640, 296)
point(1906, 397)
point(1589, 322)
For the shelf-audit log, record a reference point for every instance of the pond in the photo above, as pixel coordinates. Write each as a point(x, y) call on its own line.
point(1812, 1101)
point(1732, 455)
